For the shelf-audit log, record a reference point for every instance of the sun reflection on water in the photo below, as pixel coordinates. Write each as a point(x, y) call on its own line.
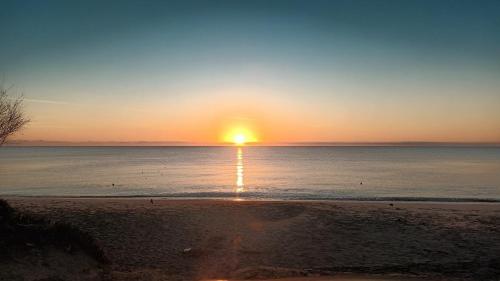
point(240, 187)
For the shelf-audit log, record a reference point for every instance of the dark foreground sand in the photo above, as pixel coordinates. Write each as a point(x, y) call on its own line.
point(211, 239)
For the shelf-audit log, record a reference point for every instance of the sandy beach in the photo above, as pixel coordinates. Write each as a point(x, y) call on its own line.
point(215, 239)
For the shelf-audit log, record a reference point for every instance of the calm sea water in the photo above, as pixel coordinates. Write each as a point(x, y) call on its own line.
point(253, 172)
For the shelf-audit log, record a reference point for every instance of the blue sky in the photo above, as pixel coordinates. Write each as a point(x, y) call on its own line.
point(339, 70)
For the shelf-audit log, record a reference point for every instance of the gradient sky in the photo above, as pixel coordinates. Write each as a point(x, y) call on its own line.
point(346, 71)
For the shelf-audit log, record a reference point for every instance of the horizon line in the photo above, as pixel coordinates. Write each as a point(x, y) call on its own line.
point(42, 143)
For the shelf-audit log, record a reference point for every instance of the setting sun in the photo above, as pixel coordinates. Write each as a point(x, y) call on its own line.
point(239, 139)
point(239, 136)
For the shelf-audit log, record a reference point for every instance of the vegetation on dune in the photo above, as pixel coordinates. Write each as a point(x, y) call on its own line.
point(19, 231)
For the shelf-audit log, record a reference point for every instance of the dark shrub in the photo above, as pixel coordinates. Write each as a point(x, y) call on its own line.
point(21, 231)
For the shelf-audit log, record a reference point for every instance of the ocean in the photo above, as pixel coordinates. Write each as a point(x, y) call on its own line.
point(254, 172)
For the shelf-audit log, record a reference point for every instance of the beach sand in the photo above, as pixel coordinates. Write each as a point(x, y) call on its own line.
point(302, 240)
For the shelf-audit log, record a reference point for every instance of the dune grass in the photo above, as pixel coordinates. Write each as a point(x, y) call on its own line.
point(20, 231)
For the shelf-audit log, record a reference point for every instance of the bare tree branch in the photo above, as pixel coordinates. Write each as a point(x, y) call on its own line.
point(12, 117)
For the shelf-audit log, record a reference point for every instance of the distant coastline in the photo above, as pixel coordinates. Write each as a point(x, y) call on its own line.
point(27, 143)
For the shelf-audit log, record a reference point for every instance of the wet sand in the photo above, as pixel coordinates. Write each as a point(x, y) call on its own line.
point(214, 239)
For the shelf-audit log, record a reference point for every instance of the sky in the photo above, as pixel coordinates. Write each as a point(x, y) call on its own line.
point(279, 71)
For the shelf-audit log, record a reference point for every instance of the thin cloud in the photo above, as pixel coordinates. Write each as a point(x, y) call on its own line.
point(45, 101)
point(80, 104)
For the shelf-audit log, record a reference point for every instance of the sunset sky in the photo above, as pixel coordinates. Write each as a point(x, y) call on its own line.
point(283, 71)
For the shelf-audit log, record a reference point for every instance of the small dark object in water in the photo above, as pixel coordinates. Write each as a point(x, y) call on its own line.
point(151, 200)
point(361, 183)
point(392, 205)
point(112, 184)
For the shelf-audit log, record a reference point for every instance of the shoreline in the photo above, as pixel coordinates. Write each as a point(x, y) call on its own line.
point(254, 199)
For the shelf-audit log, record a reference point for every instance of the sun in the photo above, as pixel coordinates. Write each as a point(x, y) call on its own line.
point(239, 139)
point(239, 136)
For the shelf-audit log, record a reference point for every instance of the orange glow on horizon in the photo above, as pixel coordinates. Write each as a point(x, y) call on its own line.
point(245, 116)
